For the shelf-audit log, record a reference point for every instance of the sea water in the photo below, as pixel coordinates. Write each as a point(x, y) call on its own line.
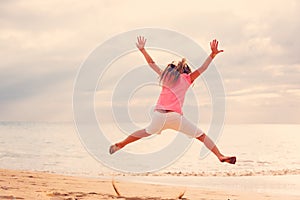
point(262, 150)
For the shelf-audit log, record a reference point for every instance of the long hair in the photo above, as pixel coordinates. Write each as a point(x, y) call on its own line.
point(172, 72)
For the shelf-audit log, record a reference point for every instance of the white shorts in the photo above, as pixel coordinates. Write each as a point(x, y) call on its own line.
point(172, 120)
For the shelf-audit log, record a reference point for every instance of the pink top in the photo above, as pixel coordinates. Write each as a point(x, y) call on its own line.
point(172, 98)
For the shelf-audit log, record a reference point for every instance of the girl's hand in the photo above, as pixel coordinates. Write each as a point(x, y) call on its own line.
point(214, 48)
point(141, 41)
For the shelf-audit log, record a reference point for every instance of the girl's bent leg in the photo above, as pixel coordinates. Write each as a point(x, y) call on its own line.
point(213, 148)
point(131, 138)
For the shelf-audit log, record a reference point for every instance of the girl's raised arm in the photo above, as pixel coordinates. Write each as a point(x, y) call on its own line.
point(214, 52)
point(141, 41)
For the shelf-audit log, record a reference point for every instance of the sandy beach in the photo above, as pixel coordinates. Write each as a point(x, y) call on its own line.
point(40, 185)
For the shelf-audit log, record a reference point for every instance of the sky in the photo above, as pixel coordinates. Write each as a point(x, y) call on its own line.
point(44, 43)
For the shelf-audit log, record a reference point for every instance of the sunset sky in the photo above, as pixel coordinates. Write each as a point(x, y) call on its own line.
point(43, 44)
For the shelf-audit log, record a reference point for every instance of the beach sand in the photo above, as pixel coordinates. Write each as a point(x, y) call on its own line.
point(40, 185)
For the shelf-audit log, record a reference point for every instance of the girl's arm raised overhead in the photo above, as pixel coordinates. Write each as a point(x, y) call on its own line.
point(141, 41)
point(214, 52)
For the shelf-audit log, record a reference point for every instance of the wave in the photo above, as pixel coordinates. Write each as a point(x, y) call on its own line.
point(280, 172)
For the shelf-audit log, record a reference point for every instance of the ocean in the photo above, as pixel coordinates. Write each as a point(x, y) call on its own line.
point(266, 153)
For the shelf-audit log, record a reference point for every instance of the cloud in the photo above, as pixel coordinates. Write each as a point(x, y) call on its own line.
point(26, 97)
point(43, 44)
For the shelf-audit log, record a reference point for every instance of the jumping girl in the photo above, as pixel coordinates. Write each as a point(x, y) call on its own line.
point(175, 79)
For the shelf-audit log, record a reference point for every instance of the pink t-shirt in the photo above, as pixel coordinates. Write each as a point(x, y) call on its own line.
point(172, 98)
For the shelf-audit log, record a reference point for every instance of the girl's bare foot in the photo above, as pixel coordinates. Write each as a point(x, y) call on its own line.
point(230, 160)
point(114, 148)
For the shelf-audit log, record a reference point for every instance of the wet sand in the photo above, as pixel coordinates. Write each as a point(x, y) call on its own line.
point(40, 185)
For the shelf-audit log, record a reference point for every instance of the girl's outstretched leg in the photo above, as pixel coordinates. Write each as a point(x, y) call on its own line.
point(131, 138)
point(213, 148)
